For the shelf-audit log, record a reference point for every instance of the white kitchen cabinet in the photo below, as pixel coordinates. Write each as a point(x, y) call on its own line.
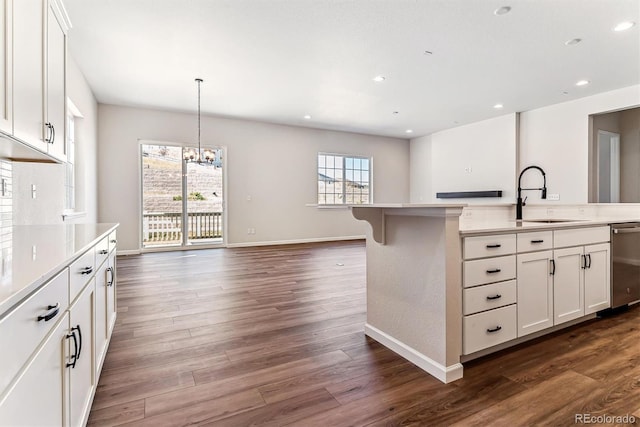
point(82, 374)
point(6, 66)
point(37, 398)
point(568, 284)
point(39, 75)
point(535, 292)
point(56, 99)
point(102, 330)
point(597, 278)
point(111, 292)
point(28, 72)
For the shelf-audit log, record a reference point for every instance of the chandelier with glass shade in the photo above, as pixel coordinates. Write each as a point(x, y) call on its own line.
point(199, 156)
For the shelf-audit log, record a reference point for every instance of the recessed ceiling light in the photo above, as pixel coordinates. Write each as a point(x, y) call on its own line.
point(408, 131)
point(502, 10)
point(378, 79)
point(624, 26)
point(498, 106)
point(572, 42)
point(307, 116)
point(582, 82)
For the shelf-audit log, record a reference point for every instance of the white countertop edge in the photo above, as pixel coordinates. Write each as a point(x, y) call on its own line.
point(512, 226)
point(6, 306)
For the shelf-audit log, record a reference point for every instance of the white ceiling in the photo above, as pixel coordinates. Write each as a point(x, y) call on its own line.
point(277, 60)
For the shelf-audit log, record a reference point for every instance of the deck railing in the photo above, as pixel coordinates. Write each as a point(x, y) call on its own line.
point(167, 227)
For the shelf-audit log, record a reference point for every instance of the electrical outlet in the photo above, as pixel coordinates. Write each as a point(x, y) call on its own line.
point(33, 191)
point(251, 230)
point(553, 197)
point(33, 253)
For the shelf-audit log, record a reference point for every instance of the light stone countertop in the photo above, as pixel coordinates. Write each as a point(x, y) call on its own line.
point(35, 253)
point(484, 226)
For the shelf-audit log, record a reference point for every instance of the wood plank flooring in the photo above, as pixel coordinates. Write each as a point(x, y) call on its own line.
point(274, 336)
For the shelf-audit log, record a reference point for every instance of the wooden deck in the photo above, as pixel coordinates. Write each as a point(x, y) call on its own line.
point(274, 336)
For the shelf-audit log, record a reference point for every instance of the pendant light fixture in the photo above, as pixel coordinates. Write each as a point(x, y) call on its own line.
point(190, 154)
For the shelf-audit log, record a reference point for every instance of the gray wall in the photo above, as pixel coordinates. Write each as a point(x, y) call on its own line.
point(274, 166)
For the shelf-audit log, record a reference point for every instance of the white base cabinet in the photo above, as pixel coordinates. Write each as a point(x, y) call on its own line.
point(535, 292)
point(59, 335)
point(38, 397)
point(597, 276)
point(559, 275)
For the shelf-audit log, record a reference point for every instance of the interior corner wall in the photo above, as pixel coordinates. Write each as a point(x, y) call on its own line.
point(630, 156)
point(556, 138)
point(475, 157)
point(420, 170)
point(275, 165)
point(86, 143)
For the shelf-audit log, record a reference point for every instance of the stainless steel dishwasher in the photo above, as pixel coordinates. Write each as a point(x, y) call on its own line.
point(625, 263)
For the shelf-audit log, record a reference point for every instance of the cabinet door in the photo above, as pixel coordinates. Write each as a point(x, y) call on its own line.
point(6, 82)
point(535, 292)
point(38, 397)
point(101, 315)
point(28, 72)
point(111, 293)
point(56, 98)
point(568, 284)
point(82, 375)
point(597, 279)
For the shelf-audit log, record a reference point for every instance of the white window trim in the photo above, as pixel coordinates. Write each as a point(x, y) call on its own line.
point(344, 205)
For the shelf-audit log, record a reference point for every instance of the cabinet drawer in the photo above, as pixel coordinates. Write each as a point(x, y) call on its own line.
point(489, 270)
point(80, 272)
point(489, 328)
point(487, 297)
point(113, 240)
point(580, 236)
point(102, 251)
point(538, 241)
point(489, 246)
point(22, 332)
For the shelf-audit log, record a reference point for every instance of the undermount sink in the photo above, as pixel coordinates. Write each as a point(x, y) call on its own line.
point(551, 221)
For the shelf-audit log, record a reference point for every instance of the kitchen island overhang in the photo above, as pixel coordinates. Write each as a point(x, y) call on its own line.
point(414, 283)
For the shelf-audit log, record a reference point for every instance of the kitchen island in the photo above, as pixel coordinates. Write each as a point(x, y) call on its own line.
point(444, 288)
point(414, 294)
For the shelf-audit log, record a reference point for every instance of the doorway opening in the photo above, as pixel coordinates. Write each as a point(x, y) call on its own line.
point(182, 202)
point(608, 167)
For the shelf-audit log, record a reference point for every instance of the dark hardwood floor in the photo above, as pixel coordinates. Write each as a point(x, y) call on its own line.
point(274, 336)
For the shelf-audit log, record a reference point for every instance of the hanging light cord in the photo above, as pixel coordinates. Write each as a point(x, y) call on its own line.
point(199, 147)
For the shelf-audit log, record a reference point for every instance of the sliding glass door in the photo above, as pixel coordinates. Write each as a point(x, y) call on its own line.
point(182, 202)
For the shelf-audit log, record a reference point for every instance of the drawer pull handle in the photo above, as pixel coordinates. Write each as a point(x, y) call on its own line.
point(537, 241)
point(103, 252)
point(496, 296)
point(51, 314)
point(74, 356)
point(110, 280)
point(497, 245)
point(114, 241)
point(86, 270)
point(495, 270)
point(496, 329)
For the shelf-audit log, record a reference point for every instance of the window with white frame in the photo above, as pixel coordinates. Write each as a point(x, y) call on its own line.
point(343, 179)
point(70, 180)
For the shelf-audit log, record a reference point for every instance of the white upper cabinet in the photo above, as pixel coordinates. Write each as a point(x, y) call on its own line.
point(56, 99)
point(34, 94)
point(6, 82)
point(28, 67)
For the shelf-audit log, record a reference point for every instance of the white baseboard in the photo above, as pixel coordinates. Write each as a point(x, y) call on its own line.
point(293, 242)
point(129, 252)
point(446, 374)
